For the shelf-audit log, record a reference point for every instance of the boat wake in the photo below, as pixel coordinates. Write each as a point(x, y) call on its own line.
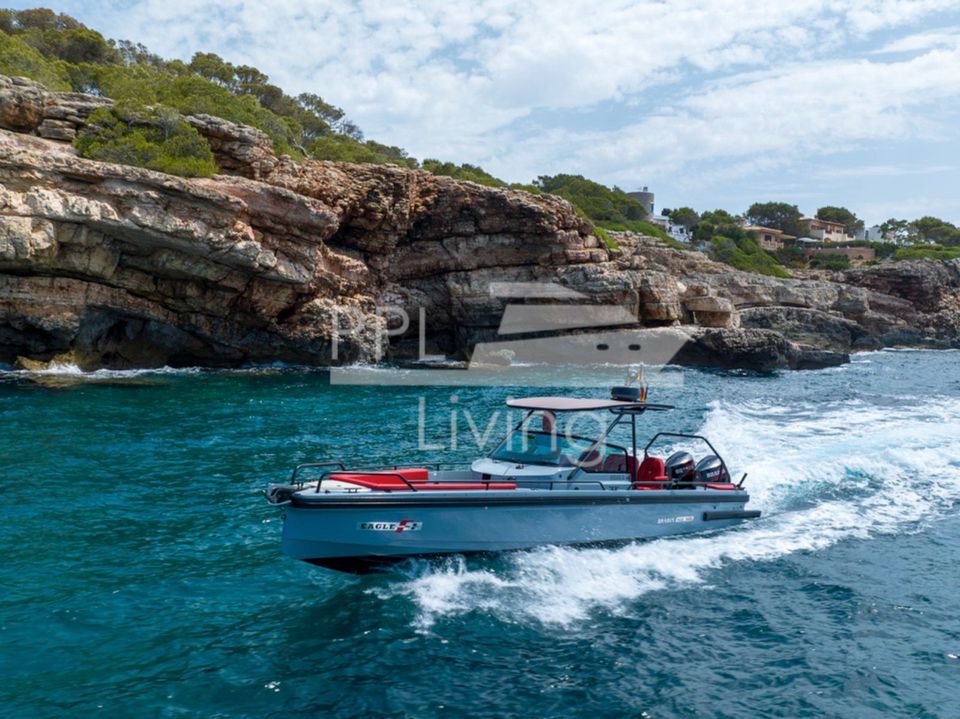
point(821, 474)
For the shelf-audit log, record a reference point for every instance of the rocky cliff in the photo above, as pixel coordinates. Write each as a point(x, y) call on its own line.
point(271, 260)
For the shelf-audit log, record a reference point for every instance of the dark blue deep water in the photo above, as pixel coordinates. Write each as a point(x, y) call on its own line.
point(141, 574)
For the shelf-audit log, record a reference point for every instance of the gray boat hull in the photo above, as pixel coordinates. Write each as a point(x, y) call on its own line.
point(363, 532)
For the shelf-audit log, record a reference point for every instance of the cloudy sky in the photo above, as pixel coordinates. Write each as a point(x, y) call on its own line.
point(712, 103)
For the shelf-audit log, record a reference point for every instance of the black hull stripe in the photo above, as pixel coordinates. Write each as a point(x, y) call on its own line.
point(745, 514)
point(407, 502)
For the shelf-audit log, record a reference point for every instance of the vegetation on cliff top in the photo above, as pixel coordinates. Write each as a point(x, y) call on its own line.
point(609, 208)
point(927, 252)
point(145, 128)
point(63, 54)
point(470, 173)
point(157, 139)
point(728, 242)
point(19, 58)
point(927, 229)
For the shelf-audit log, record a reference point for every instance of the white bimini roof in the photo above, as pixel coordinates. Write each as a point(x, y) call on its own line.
point(576, 404)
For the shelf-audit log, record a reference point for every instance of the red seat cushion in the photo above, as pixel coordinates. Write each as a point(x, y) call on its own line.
point(651, 474)
point(388, 480)
point(412, 475)
point(385, 475)
point(652, 469)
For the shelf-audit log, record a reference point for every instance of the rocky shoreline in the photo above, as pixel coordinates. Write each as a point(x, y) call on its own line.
point(112, 266)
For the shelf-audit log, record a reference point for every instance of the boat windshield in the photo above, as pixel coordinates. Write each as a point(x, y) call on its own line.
point(554, 449)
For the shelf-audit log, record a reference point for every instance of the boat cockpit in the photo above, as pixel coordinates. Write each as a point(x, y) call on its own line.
point(539, 454)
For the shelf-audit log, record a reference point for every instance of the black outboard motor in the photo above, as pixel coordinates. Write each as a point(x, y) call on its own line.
point(680, 469)
point(711, 469)
point(281, 494)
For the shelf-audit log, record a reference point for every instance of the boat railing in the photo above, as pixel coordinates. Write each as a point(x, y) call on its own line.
point(437, 466)
point(333, 467)
point(328, 468)
point(313, 465)
point(680, 484)
point(341, 467)
point(683, 435)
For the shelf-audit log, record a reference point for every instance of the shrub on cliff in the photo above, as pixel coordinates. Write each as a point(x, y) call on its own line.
point(471, 173)
point(18, 58)
point(927, 252)
point(83, 60)
point(791, 256)
point(607, 207)
point(343, 148)
point(745, 254)
point(144, 84)
point(156, 138)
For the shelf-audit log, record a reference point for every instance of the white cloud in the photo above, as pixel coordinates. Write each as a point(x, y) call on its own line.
point(943, 37)
point(749, 84)
point(768, 119)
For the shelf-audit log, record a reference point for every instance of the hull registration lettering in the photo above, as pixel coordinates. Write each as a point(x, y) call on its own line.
point(675, 520)
point(404, 525)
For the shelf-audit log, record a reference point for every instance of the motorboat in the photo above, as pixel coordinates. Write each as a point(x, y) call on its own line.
point(541, 485)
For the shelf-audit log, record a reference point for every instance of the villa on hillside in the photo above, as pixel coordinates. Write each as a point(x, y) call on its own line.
point(769, 238)
point(675, 231)
point(825, 230)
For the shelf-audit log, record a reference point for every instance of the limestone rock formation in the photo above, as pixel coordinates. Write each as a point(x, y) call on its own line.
point(323, 262)
point(26, 106)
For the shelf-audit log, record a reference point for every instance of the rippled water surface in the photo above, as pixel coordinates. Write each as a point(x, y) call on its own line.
point(141, 573)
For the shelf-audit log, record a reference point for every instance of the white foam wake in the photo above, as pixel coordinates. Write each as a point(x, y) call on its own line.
point(820, 473)
point(71, 370)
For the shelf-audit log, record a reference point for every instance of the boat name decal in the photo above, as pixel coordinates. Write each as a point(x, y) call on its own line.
point(675, 520)
point(404, 525)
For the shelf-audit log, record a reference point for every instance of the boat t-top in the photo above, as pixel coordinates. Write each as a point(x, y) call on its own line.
point(539, 486)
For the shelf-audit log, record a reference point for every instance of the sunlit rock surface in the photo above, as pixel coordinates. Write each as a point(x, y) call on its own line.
point(316, 262)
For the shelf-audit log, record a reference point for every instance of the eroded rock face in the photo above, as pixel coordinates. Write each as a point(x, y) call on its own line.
point(316, 262)
point(128, 267)
point(238, 149)
point(122, 266)
point(27, 106)
point(763, 350)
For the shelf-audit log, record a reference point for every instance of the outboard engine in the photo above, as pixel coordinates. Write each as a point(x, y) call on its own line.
point(711, 469)
point(680, 468)
point(281, 494)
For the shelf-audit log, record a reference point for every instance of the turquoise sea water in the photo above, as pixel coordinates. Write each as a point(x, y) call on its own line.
point(141, 573)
